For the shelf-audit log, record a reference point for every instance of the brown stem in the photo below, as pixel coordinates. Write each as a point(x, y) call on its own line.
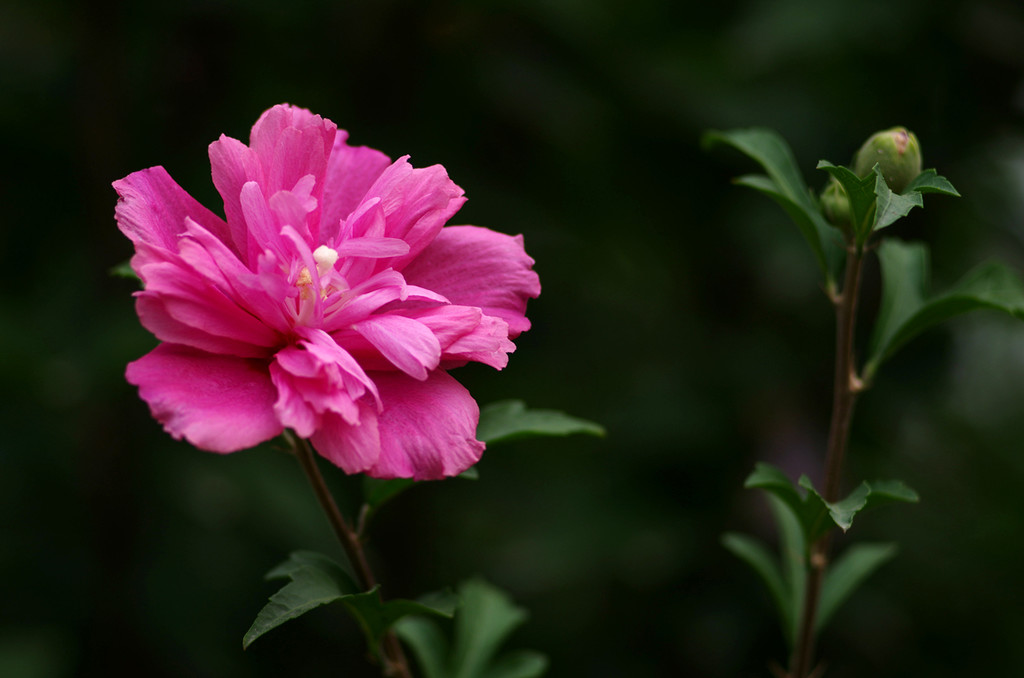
point(845, 389)
point(395, 665)
point(847, 385)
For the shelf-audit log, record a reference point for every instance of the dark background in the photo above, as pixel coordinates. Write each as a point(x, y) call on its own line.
point(679, 311)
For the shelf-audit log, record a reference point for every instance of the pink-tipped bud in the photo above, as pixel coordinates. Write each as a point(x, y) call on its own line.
point(897, 153)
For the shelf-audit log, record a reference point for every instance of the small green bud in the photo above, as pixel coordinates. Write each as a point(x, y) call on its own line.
point(835, 203)
point(897, 153)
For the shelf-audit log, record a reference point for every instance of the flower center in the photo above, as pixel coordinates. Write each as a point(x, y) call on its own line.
point(311, 293)
point(325, 259)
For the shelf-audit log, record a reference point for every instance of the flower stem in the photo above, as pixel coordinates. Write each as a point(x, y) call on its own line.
point(845, 390)
point(394, 664)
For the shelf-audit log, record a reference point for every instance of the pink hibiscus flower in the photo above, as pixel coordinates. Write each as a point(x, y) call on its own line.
point(331, 301)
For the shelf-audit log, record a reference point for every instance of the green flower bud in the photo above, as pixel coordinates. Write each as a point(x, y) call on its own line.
point(835, 203)
point(897, 153)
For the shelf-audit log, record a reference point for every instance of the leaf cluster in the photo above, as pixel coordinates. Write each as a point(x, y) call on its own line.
point(859, 208)
point(803, 516)
point(483, 615)
point(484, 620)
point(316, 579)
point(907, 308)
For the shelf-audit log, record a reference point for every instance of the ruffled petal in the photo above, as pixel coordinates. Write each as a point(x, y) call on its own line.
point(474, 266)
point(288, 151)
point(292, 143)
point(155, 317)
point(253, 292)
point(427, 428)
point(350, 306)
point(261, 222)
point(318, 378)
point(354, 448)
point(407, 344)
point(466, 334)
point(351, 170)
point(151, 211)
point(195, 302)
point(233, 164)
point(218, 403)
point(415, 204)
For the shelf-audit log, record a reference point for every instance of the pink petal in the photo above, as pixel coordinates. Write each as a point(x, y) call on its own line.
point(152, 209)
point(409, 345)
point(317, 378)
point(465, 334)
point(263, 229)
point(193, 301)
point(475, 266)
point(233, 164)
point(353, 448)
point(155, 317)
point(294, 207)
point(351, 170)
point(427, 428)
point(416, 203)
point(292, 143)
point(373, 248)
point(218, 403)
point(212, 260)
point(361, 301)
point(287, 145)
point(366, 221)
point(327, 351)
point(291, 408)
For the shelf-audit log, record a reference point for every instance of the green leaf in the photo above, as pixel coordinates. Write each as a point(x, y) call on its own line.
point(318, 580)
point(786, 186)
point(518, 664)
point(483, 621)
point(487, 617)
point(906, 310)
point(866, 495)
point(873, 205)
point(855, 565)
point(774, 481)
point(785, 584)
point(510, 420)
point(315, 580)
point(376, 617)
point(904, 269)
point(754, 554)
point(929, 181)
point(125, 270)
point(793, 553)
point(817, 516)
point(892, 206)
point(862, 197)
point(428, 643)
point(803, 516)
point(842, 511)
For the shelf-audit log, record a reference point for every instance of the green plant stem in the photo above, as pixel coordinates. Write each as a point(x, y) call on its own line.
point(845, 389)
point(395, 664)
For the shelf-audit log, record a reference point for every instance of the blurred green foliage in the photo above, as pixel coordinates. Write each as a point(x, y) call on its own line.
point(680, 312)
